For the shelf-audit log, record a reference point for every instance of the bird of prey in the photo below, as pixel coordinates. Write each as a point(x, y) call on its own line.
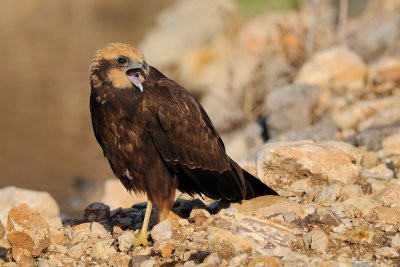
point(157, 137)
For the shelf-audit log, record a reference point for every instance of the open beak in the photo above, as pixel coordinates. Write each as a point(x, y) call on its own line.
point(137, 73)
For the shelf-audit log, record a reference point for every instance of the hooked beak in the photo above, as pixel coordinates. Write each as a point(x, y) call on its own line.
point(137, 73)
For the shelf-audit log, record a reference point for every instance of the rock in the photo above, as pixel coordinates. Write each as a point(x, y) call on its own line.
point(362, 205)
point(322, 130)
point(84, 231)
point(391, 144)
point(390, 195)
point(349, 191)
point(328, 194)
point(323, 162)
point(384, 74)
point(42, 202)
point(198, 216)
point(162, 231)
point(366, 114)
point(319, 240)
point(363, 235)
point(77, 250)
point(388, 215)
point(57, 248)
point(281, 208)
point(301, 186)
point(264, 261)
point(2, 230)
point(263, 233)
point(380, 171)
point(337, 69)
point(148, 263)
point(27, 262)
point(212, 259)
point(238, 260)
point(28, 232)
point(243, 142)
point(47, 263)
point(327, 217)
point(377, 185)
point(227, 244)
point(395, 241)
point(103, 249)
point(372, 138)
point(370, 158)
point(137, 260)
point(96, 212)
point(115, 195)
point(54, 223)
point(126, 240)
point(372, 43)
point(291, 108)
point(191, 32)
point(251, 205)
point(386, 252)
point(165, 248)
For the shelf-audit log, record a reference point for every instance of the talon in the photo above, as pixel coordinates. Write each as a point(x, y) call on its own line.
point(141, 240)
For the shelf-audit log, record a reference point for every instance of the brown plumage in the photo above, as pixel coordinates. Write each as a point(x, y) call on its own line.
point(157, 137)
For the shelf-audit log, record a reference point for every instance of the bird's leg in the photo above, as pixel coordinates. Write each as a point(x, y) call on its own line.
point(141, 239)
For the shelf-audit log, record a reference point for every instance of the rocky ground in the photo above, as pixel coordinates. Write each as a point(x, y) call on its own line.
point(338, 206)
point(270, 91)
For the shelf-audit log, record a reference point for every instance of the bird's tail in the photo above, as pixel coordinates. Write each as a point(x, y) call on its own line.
point(255, 188)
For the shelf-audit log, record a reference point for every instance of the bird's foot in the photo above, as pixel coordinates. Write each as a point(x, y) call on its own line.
point(141, 240)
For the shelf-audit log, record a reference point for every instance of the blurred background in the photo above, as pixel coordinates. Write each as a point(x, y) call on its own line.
point(233, 55)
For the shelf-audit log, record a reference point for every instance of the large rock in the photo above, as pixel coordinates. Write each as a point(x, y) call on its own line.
point(183, 26)
point(372, 138)
point(337, 69)
point(367, 114)
point(291, 108)
point(162, 231)
point(28, 232)
point(391, 144)
point(262, 233)
point(243, 142)
point(226, 243)
point(282, 163)
point(42, 202)
point(322, 130)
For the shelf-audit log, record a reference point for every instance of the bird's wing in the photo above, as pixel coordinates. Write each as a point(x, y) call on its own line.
point(182, 131)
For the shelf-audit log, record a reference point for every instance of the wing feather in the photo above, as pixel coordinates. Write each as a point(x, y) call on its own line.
point(185, 134)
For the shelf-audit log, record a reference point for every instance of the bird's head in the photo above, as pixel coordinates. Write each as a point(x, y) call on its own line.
point(122, 65)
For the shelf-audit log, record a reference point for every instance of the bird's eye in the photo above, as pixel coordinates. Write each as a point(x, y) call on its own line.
point(122, 61)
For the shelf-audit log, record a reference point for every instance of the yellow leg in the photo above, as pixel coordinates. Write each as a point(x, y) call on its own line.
point(143, 235)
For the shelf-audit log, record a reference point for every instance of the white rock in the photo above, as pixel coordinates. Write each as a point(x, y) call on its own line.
point(42, 202)
point(84, 231)
point(126, 240)
point(396, 241)
point(328, 194)
point(47, 263)
point(162, 231)
point(103, 249)
point(337, 69)
point(283, 163)
point(319, 240)
point(148, 263)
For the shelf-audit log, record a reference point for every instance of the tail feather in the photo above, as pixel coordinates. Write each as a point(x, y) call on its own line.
point(255, 188)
